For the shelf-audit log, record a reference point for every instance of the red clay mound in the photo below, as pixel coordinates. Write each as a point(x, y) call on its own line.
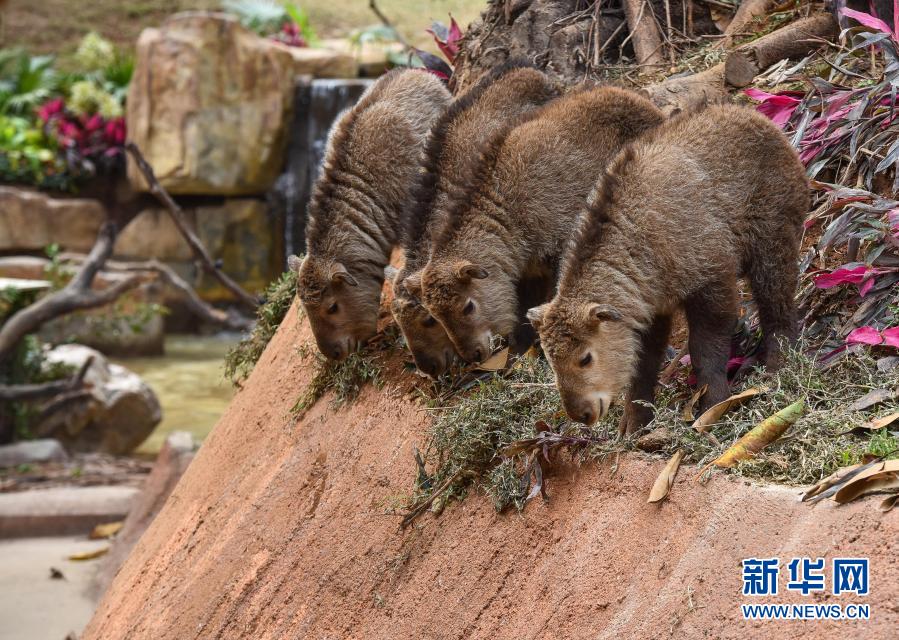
point(277, 530)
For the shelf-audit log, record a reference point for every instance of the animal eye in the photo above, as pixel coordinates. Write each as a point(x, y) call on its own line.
point(332, 309)
point(468, 309)
point(429, 322)
point(586, 360)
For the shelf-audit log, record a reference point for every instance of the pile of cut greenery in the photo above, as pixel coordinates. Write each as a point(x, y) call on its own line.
point(496, 437)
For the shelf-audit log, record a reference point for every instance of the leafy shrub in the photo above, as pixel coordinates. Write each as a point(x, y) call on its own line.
point(25, 81)
point(279, 296)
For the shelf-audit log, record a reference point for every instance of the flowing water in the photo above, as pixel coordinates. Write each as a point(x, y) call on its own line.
point(190, 384)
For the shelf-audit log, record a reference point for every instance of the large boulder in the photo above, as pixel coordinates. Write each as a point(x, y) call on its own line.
point(208, 105)
point(116, 414)
point(323, 63)
point(31, 220)
point(239, 232)
point(370, 58)
point(31, 451)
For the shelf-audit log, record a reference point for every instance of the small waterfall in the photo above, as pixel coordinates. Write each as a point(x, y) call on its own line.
point(316, 105)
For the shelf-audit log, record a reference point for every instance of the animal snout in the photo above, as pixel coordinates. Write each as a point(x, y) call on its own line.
point(582, 411)
point(334, 350)
point(427, 365)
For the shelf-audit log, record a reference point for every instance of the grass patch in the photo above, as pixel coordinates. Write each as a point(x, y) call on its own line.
point(469, 436)
point(240, 360)
point(346, 378)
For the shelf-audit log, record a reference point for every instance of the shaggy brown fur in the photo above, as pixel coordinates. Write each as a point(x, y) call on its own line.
point(355, 216)
point(503, 95)
point(514, 220)
point(680, 215)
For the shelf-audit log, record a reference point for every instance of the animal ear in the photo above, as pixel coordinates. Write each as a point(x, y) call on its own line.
point(535, 315)
point(468, 271)
point(603, 313)
point(390, 272)
point(339, 275)
point(412, 282)
point(295, 263)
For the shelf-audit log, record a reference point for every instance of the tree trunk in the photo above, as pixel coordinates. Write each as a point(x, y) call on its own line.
point(748, 11)
point(644, 33)
point(571, 40)
point(793, 41)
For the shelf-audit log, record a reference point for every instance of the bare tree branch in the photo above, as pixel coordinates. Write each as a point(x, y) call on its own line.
point(199, 251)
point(194, 303)
point(75, 296)
point(19, 392)
point(386, 22)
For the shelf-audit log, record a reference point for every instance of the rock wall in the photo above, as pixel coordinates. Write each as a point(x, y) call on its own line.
point(282, 529)
point(208, 105)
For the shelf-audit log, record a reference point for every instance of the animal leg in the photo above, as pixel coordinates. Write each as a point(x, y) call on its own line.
point(773, 277)
point(711, 316)
point(652, 350)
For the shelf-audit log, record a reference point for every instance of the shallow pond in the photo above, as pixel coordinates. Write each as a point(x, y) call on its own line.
point(190, 384)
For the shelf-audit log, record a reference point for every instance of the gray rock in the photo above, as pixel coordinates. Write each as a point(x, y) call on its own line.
point(116, 414)
point(44, 450)
point(885, 365)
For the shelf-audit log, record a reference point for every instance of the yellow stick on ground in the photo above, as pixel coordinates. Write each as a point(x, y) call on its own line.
point(763, 434)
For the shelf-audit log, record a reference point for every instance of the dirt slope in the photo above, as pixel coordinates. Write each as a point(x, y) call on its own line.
point(278, 531)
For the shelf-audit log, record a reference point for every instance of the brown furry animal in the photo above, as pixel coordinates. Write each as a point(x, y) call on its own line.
point(515, 219)
point(679, 216)
point(355, 216)
point(455, 142)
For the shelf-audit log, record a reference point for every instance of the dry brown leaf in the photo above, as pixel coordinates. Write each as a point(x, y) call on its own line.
point(874, 484)
point(496, 362)
point(687, 414)
point(889, 502)
point(106, 530)
point(833, 479)
point(665, 481)
point(714, 413)
point(880, 423)
point(89, 555)
point(863, 483)
point(873, 397)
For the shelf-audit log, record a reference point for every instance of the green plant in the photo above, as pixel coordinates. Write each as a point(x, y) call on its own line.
point(26, 365)
point(285, 22)
point(262, 16)
point(26, 81)
point(345, 379)
point(279, 296)
point(301, 19)
point(28, 155)
point(496, 436)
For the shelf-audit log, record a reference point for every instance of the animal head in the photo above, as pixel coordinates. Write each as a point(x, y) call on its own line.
point(342, 306)
point(592, 349)
point(425, 336)
point(471, 303)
